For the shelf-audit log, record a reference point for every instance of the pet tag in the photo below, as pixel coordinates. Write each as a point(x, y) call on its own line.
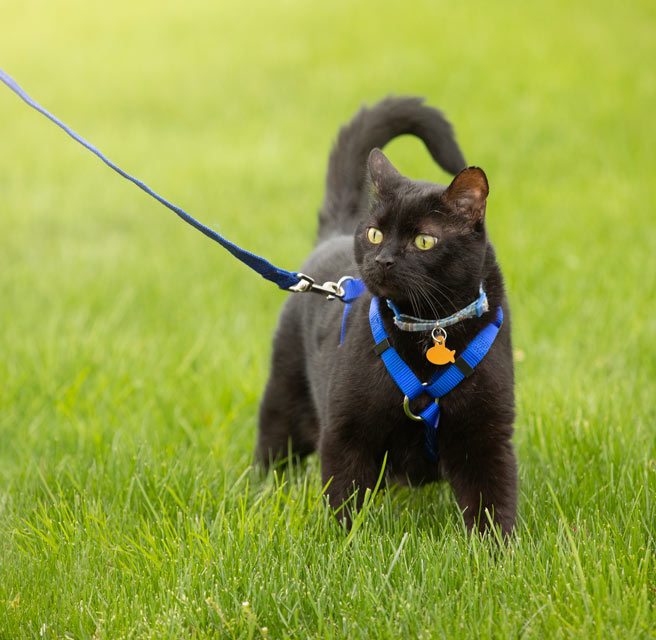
point(438, 353)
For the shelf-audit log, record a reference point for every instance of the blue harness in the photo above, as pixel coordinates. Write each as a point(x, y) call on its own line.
point(441, 382)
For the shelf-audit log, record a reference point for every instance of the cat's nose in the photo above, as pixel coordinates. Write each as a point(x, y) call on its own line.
point(385, 260)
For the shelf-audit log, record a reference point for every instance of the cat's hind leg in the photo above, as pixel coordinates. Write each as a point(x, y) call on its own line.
point(287, 419)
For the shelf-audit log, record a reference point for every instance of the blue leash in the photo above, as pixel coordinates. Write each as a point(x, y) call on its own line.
point(288, 280)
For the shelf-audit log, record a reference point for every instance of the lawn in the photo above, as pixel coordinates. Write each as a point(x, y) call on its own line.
point(133, 350)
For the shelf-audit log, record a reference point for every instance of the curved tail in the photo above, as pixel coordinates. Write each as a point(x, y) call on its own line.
point(374, 127)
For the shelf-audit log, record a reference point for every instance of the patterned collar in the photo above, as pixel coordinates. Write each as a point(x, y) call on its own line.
point(410, 323)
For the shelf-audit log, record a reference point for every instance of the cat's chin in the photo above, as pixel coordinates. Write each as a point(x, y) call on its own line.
point(386, 291)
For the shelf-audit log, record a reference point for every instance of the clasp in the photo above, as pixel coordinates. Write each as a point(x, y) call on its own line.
point(329, 289)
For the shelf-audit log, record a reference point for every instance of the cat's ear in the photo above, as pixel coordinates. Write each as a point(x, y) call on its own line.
point(467, 193)
point(383, 173)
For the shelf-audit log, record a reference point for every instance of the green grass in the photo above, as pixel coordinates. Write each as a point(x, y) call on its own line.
point(133, 351)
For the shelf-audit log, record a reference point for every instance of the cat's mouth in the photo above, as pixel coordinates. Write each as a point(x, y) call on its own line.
point(386, 292)
point(382, 286)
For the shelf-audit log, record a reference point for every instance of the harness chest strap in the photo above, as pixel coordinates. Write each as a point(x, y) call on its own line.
point(441, 382)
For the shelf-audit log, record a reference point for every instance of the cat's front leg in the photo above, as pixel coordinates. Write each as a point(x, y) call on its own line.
point(484, 478)
point(350, 470)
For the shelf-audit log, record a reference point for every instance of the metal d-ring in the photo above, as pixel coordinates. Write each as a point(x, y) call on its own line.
point(406, 409)
point(341, 281)
point(406, 405)
point(438, 332)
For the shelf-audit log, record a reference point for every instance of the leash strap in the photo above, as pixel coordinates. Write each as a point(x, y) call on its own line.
point(284, 279)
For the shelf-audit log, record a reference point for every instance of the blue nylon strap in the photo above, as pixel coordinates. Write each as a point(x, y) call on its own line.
point(431, 413)
point(284, 279)
point(431, 416)
point(401, 373)
point(353, 289)
point(405, 379)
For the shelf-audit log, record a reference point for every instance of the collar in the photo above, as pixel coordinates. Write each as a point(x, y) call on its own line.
point(405, 322)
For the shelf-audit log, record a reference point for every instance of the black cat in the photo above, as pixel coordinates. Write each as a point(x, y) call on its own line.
point(424, 247)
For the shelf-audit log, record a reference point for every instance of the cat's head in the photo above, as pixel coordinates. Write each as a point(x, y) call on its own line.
point(421, 243)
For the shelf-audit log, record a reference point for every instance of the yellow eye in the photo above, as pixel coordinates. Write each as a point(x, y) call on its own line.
point(375, 236)
point(424, 242)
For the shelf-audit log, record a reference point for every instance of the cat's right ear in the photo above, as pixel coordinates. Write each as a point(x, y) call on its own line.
point(384, 175)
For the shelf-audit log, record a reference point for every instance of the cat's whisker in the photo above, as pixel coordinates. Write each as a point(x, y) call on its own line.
point(421, 293)
point(414, 301)
point(443, 292)
point(425, 288)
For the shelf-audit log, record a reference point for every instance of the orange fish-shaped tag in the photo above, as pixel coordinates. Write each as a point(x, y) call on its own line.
point(438, 353)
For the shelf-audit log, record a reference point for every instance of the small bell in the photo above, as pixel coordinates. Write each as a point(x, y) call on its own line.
point(438, 353)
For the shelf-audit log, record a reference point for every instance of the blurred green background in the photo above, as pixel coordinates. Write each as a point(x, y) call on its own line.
point(128, 336)
point(229, 110)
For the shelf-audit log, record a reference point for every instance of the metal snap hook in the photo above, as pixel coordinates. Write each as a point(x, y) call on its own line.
point(330, 290)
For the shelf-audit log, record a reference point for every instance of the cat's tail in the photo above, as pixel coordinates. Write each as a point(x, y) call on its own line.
point(374, 127)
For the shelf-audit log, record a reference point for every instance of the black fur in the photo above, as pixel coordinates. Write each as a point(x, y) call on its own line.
point(340, 400)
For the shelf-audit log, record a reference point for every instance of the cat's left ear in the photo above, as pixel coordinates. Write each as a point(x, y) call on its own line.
point(467, 194)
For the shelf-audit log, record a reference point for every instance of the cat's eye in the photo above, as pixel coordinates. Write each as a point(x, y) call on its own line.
point(424, 242)
point(375, 236)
